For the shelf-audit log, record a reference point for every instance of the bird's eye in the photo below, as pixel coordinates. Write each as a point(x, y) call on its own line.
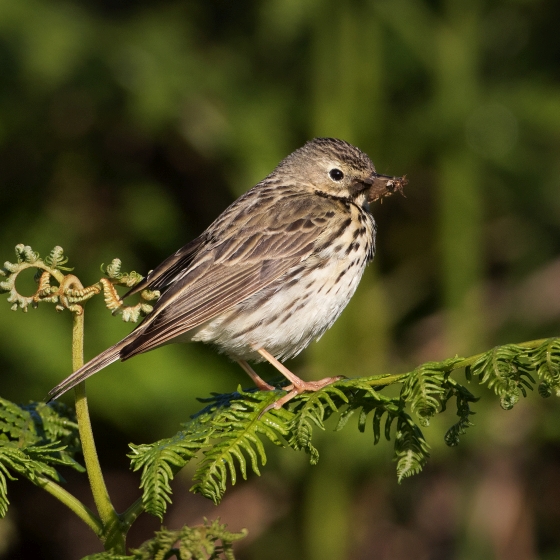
point(336, 174)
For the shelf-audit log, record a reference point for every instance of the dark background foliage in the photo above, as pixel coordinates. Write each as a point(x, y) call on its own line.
point(126, 127)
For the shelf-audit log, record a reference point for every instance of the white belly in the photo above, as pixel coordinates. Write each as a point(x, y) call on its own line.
point(295, 310)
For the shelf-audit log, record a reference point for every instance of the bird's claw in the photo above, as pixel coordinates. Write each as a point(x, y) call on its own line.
point(299, 387)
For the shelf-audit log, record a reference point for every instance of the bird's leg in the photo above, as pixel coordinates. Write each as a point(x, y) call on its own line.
point(298, 385)
point(259, 381)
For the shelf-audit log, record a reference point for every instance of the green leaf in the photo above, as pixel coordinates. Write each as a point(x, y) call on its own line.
point(424, 388)
point(310, 411)
point(411, 449)
point(463, 398)
point(236, 435)
point(210, 541)
point(34, 440)
point(160, 462)
point(546, 359)
point(507, 370)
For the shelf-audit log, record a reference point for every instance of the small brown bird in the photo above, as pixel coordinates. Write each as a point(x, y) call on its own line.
point(274, 270)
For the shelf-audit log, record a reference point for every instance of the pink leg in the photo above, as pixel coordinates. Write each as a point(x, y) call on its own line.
point(298, 385)
point(259, 382)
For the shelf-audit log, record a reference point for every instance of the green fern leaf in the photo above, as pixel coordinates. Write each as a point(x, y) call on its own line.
point(236, 434)
point(311, 410)
point(507, 370)
point(463, 398)
point(546, 359)
point(211, 541)
point(411, 449)
point(424, 388)
point(160, 462)
point(34, 440)
point(4, 475)
point(109, 556)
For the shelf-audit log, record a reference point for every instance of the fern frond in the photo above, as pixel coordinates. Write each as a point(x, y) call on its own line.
point(463, 398)
point(4, 475)
point(33, 462)
point(411, 448)
point(108, 556)
point(424, 388)
point(506, 369)
point(210, 541)
point(34, 439)
point(234, 423)
point(55, 422)
point(57, 259)
point(236, 434)
point(311, 410)
point(547, 360)
point(160, 462)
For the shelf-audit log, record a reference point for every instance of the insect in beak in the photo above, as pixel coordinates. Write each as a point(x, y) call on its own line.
point(384, 185)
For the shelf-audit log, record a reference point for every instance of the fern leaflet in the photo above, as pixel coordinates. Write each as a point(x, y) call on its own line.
point(236, 432)
point(160, 461)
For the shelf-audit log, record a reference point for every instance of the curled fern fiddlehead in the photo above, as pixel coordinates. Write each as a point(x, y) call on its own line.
point(68, 292)
point(506, 370)
point(547, 359)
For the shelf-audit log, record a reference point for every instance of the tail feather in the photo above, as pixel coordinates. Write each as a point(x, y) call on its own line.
point(93, 366)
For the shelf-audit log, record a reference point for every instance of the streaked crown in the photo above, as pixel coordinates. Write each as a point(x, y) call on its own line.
point(332, 166)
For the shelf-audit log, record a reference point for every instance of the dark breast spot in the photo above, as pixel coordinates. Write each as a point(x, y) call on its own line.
point(271, 319)
point(343, 227)
point(286, 317)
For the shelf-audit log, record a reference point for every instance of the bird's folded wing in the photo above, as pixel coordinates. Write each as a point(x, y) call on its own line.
point(163, 275)
point(223, 275)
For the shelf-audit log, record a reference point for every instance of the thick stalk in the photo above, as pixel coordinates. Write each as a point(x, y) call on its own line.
point(114, 536)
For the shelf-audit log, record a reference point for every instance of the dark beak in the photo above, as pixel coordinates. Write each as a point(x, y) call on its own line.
point(384, 185)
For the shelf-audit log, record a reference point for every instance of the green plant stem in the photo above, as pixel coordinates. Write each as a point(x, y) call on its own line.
point(129, 516)
point(83, 512)
point(112, 526)
point(390, 379)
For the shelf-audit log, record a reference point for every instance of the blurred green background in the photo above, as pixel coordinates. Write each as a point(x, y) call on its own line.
point(126, 127)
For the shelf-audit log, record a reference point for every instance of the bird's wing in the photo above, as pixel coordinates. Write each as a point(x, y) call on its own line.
point(245, 250)
point(163, 275)
point(257, 250)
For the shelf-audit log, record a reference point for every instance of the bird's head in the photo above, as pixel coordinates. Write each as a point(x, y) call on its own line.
point(336, 168)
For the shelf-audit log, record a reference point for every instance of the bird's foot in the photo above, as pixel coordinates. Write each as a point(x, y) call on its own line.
point(300, 386)
point(297, 385)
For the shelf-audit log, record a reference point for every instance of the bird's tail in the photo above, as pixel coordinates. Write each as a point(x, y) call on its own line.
point(93, 366)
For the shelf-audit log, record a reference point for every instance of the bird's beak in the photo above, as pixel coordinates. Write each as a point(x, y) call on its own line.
point(384, 185)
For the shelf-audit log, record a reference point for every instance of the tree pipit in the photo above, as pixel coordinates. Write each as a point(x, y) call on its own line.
point(274, 270)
